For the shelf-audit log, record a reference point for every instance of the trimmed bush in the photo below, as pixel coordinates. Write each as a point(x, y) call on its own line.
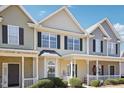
point(107, 82)
point(112, 81)
point(65, 83)
point(95, 83)
point(44, 83)
point(58, 83)
point(75, 83)
point(121, 80)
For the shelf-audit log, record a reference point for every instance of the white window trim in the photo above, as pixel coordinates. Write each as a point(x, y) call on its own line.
point(9, 35)
point(73, 38)
point(49, 34)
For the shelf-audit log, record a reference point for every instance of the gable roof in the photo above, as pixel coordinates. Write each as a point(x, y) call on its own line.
point(70, 15)
point(95, 26)
point(3, 7)
point(98, 24)
point(111, 26)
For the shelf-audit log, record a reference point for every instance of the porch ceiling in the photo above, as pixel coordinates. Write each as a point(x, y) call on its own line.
point(93, 57)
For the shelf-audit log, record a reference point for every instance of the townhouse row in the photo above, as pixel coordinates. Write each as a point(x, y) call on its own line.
point(57, 46)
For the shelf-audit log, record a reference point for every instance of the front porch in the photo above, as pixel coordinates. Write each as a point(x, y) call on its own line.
point(18, 68)
point(94, 67)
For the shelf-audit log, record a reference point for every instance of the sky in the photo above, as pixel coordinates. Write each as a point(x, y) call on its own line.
point(85, 15)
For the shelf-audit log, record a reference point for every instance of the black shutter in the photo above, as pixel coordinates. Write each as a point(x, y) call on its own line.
point(101, 46)
point(102, 70)
point(73, 73)
point(4, 34)
point(65, 42)
point(116, 48)
point(94, 45)
point(58, 41)
point(76, 70)
point(21, 36)
point(81, 44)
point(39, 39)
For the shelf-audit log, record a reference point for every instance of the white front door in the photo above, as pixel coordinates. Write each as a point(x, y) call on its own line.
point(5, 75)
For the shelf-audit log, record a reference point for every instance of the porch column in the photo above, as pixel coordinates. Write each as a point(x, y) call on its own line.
point(57, 67)
point(45, 69)
point(120, 69)
point(37, 69)
point(71, 68)
point(22, 72)
point(87, 71)
point(97, 70)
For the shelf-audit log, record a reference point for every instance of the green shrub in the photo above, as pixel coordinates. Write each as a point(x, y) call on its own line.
point(44, 83)
point(121, 80)
point(65, 83)
point(111, 82)
point(107, 82)
point(58, 83)
point(75, 83)
point(95, 83)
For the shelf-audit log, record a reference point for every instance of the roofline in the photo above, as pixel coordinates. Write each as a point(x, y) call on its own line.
point(111, 26)
point(2, 8)
point(101, 28)
point(69, 13)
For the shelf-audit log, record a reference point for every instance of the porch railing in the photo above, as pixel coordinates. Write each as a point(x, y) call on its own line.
point(29, 81)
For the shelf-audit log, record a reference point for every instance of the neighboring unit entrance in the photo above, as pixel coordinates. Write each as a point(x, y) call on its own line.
point(13, 75)
point(10, 75)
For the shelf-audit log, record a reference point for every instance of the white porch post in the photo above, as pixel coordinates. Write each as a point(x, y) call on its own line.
point(97, 70)
point(22, 72)
point(120, 69)
point(87, 71)
point(37, 68)
point(57, 67)
point(71, 68)
point(45, 68)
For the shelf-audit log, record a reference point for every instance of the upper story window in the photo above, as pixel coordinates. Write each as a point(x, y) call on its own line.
point(97, 45)
point(45, 40)
point(49, 40)
point(112, 48)
point(13, 35)
point(73, 43)
point(53, 41)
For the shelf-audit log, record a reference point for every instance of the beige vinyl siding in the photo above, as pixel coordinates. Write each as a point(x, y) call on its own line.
point(13, 15)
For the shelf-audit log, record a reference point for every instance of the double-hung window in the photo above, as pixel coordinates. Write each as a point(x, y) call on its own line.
point(45, 40)
point(76, 44)
point(73, 43)
point(98, 45)
point(70, 43)
point(53, 41)
point(13, 35)
point(112, 48)
point(49, 40)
